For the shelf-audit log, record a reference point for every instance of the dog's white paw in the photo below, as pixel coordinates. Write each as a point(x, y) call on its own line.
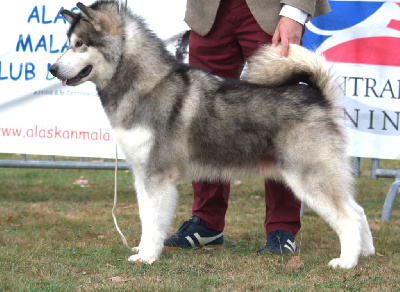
point(137, 258)
point(368, 250)
point(135, 249)
point(342, 263)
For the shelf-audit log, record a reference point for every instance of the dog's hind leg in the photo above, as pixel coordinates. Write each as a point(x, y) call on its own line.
point(157, 197)
point(330, 198)
point(367, 247)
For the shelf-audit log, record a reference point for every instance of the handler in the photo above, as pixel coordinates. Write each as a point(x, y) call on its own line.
point(224, 34)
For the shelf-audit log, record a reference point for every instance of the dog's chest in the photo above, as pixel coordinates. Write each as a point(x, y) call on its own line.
point(136, 143)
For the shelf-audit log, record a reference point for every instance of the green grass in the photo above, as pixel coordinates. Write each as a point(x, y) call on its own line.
point(58, 236)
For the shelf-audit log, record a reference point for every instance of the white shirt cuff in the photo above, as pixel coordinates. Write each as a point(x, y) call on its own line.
point(294, 13)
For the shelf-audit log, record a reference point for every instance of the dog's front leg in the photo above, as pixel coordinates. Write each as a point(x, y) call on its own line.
point(157, 198)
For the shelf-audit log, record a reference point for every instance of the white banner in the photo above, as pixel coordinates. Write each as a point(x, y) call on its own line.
point(37, 114)
point(372, 108)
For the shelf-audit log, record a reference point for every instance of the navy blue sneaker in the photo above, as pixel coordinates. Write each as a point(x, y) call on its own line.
point(278, 242)
point(194, 233)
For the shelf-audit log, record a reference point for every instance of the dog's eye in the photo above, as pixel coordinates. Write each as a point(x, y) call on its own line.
point(78, 44)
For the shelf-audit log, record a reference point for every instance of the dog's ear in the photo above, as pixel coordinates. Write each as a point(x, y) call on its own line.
point(91, 15)
point(100, 21)
point(88, 12)
point(68, 15)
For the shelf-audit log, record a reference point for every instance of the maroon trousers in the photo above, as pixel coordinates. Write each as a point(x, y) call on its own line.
point(223, 52)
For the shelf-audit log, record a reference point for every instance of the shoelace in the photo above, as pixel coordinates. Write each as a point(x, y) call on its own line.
point(274, 237)
point(184, 226)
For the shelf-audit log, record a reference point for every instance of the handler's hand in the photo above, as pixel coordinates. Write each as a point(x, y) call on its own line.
point(288, 31)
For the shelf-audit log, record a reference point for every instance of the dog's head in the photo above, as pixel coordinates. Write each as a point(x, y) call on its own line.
point(95, 42)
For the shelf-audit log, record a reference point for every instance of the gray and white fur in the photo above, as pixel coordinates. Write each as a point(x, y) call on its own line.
point(172, 119)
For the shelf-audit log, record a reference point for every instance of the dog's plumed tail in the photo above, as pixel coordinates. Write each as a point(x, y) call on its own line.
point(267, 67)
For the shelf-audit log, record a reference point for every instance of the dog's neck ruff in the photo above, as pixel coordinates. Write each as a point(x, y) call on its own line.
point(137, 71)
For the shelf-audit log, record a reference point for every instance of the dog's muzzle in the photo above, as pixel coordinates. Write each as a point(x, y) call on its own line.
point(54, 70)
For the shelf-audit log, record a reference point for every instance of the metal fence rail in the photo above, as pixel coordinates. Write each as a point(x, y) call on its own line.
point(53, 164)
point(376, 173)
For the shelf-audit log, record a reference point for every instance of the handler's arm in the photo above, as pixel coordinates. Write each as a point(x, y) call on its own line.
point(290, 28)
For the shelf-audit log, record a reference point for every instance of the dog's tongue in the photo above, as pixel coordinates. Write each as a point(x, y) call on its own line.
point(64, 82)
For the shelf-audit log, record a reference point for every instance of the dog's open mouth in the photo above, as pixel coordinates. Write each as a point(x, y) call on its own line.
point(84, 72)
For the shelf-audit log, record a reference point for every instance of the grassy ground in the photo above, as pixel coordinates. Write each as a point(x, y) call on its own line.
point(58, 236)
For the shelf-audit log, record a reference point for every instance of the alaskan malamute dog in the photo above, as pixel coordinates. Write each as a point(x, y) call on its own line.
point(171, 119)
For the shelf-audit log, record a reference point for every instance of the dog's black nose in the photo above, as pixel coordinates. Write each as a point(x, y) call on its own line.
point(53, 69)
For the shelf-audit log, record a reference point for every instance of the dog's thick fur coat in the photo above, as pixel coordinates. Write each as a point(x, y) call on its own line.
point(172, 119)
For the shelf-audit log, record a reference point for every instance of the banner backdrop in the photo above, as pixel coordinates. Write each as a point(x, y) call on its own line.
point(362, 40)
point(37, 114)
point(40, 116)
